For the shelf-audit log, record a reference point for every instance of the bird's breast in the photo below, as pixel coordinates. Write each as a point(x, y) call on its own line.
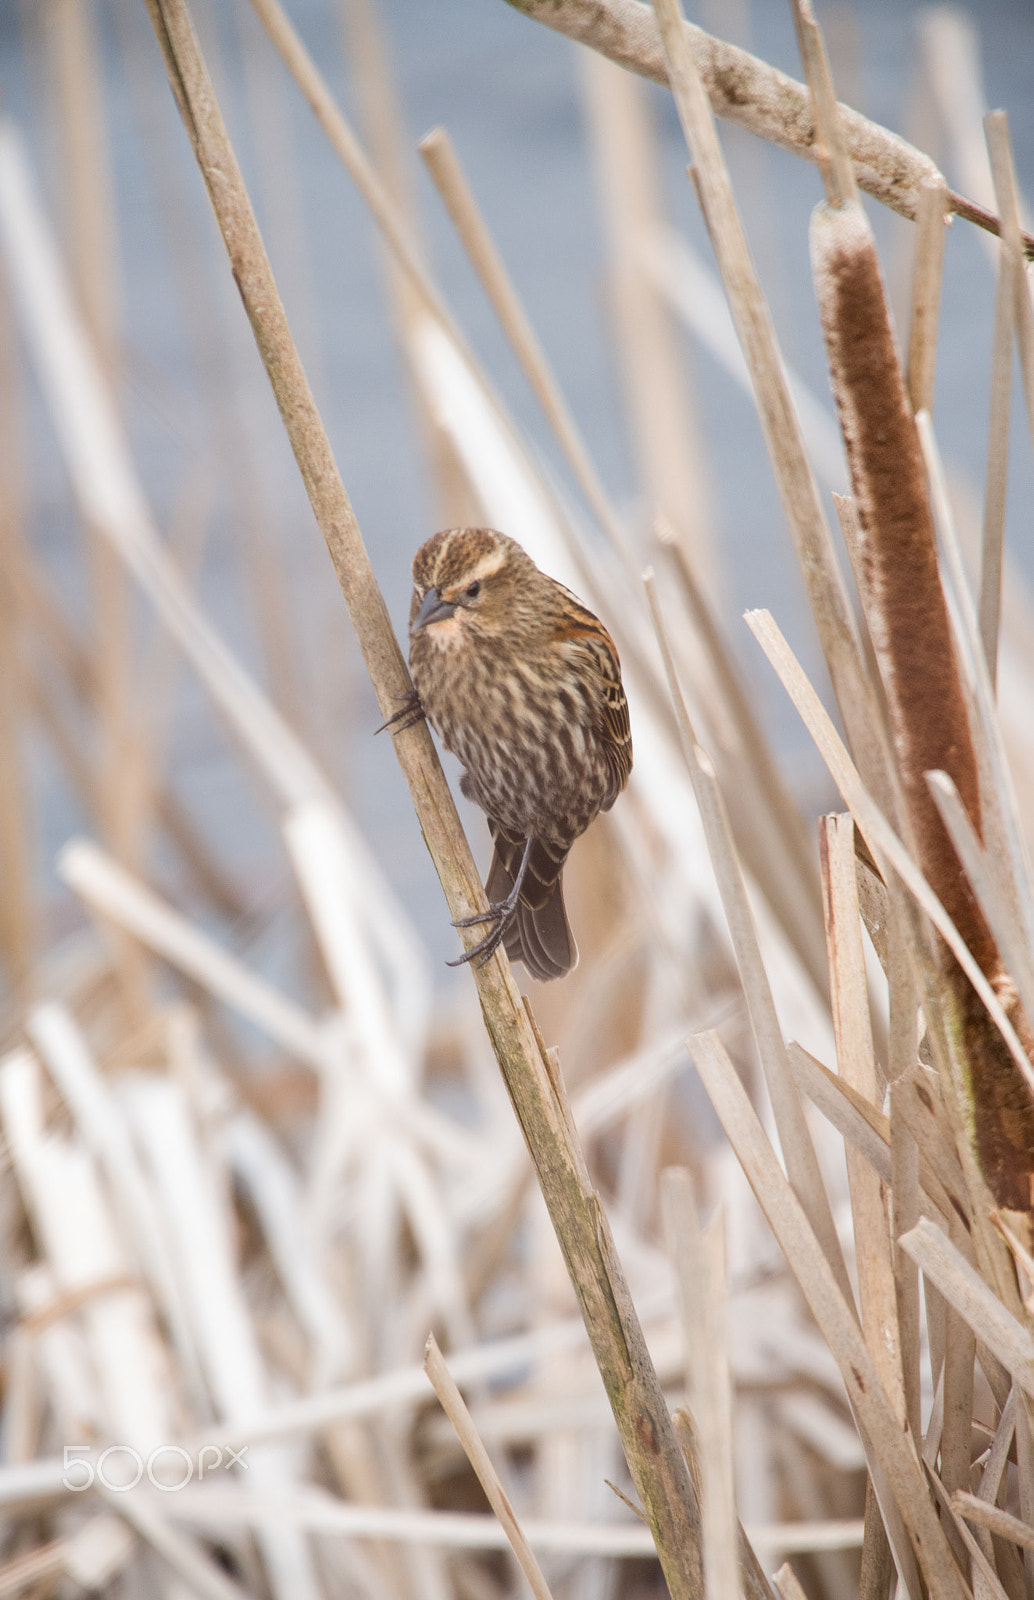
point(446, 636)
point(523, 729)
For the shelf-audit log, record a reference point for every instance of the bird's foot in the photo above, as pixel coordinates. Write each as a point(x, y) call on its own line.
point(501, 913)
point(485, 948)
point(410, 712)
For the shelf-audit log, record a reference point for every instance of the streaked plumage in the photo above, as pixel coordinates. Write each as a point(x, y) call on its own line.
point(523, 684)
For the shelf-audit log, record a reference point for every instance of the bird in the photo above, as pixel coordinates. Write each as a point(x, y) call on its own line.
point(523, 683)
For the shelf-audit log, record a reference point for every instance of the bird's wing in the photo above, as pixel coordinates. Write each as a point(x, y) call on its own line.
point(615, 725)
point(609, 705)
point(610, 709)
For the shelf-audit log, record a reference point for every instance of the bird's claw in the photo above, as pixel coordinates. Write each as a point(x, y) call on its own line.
point(484, 950)
point(407, 716)
point(501, 913)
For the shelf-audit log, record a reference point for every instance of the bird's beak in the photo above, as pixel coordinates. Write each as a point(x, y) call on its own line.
point(432, 609)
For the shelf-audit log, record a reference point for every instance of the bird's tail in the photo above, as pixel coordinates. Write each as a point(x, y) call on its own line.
point(540, 934)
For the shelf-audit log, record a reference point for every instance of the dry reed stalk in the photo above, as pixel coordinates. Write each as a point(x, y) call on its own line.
point(279, 184)
point(89, 1097)
point(377, 88)
point(926, 296)
point(862, 1126)
point(1025, 1473)
point(999, 145)
point(886, 847)
point(451, 182)
point(757, 96)
point(54, 721)
point(195, 1205)
point(375, 192)
point(160, 662)
point(698, 1257)
point(383, 125)
point(871, 1134)
point(107, 488)
point(998, 1455)
point(996, 478)
point(401, 1387)
point(1002, 842)
point(892, 1454)
point(219, 354)
point(452, 383)
point(113, 489)
point(85, 1258)
point(977, 1511)
point(983, 869)
point(695, 294)
point(970, 1553)
point(456, 1410)
point(784, 866)
point(115, 894)
point(831, 152)
point(255, 524)
point(957, 1425)
point(998, 1273)
point(781, 427)
point(795, 1140)
point(857, 1066)
point(659, 403)
point(91, 1558)
point(923, 1111)
point(316, 1512)
point(18, 915)
point(38, 1481)
point(643, 1423)
point(974, 1300)
point(78, 113)
point(658, 408)
point(788, 1584)
point(75, 666)
point(902, 1000)
point(503, 481)
point(201, 1577)
point(908, 622)
point(133, 1393)
point(949, 61)
point(904, 1188)
point(78, 109)
point(417, 300)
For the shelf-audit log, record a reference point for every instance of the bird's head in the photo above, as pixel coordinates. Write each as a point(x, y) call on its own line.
point(468, 582)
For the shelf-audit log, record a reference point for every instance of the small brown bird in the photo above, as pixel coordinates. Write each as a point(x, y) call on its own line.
point(522, 683)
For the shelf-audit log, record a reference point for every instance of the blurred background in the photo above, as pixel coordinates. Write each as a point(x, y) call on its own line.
point(514, 99)
point(239, 1082)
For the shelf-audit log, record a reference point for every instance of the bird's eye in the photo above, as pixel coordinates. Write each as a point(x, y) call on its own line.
point(474, 589)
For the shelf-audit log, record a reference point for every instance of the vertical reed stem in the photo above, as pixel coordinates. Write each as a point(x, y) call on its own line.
point(656, 1464)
